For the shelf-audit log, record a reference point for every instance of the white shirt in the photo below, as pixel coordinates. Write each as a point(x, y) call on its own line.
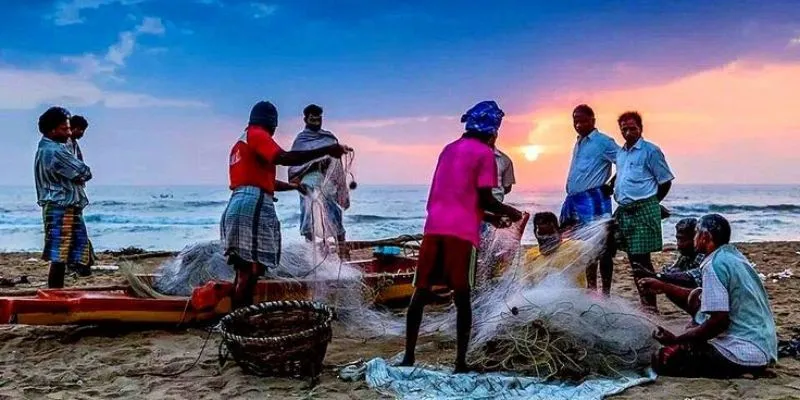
point(592, 158)
point(505, 174)
point(640, 170)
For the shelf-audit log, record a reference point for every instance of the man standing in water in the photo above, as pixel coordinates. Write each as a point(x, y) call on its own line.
point(249, 227)
point(60, 179)
point(643, 181)
point(460, 194)
point(589, 190)
point(326, 195)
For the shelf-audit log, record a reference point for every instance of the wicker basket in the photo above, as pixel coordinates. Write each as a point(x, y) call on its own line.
point(281, 338)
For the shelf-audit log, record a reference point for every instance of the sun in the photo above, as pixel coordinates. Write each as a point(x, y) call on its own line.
point(531, 152)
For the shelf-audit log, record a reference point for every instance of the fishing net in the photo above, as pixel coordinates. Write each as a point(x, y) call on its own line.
point(530, 313)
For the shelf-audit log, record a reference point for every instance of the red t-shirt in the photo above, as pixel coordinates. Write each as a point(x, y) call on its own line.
point(252, 161)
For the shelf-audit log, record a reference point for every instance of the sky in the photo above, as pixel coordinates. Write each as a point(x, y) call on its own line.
point(167, 86)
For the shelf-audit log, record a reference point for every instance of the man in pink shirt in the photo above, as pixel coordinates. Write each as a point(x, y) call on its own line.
point(460, 195)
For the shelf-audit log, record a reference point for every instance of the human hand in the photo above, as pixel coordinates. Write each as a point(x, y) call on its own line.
point(664, 336)
point(641, 272)
point(651, 285)
point(515, 215)
point(338, 150)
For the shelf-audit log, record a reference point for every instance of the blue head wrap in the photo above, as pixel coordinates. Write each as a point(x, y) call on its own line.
point(484, 117)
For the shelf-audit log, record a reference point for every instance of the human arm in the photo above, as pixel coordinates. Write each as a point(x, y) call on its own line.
point(715, 325)
point(266, 148)
point(68, 166)
point(281, 186)
point(489, 203)
point(658, 166)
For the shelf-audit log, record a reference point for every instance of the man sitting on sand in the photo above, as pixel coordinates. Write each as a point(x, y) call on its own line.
point(736, 331)
point(555, 254)
point(325, 181)
point(460, 194)
point(60, 179)
point(250, 229)
point(685, 271)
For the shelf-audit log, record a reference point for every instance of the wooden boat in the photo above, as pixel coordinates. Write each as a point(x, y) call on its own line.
point(388, 279)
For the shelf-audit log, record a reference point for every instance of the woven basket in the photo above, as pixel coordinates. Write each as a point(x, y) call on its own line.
point(281, 338)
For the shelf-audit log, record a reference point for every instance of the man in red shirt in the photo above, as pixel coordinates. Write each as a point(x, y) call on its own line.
point(249, 228)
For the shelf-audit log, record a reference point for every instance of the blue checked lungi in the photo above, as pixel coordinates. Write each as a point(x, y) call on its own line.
point(250, 229)
point(584, 207)
point(66, 239)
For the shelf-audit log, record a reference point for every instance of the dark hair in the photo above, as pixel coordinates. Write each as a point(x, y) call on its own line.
point(78, 121)
point(545, 218)
point(312, 109)
point(717, 226)
point(584, 109)
point(52, 118)
point(634, 115)
point(686, 225)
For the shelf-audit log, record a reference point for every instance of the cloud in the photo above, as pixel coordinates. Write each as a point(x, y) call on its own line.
point(722, 125)
point(262, 10)
point(88, 65)
point(794, 42)
point(69, 12)
point(30, 89)
point(383, 123)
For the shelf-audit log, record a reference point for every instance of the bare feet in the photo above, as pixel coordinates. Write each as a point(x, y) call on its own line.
point(407, 362)
point(461, 367)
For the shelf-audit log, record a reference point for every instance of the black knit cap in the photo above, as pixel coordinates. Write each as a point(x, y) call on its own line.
point(264, 114)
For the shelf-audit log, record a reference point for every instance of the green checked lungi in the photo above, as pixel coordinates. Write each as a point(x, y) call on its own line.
point(639, 227)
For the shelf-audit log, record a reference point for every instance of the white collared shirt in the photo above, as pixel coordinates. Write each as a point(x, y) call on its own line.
point(592, 158)
point(640, 170)
point(505, 174)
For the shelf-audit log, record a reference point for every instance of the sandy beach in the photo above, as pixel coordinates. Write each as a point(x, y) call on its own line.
point(65, 363)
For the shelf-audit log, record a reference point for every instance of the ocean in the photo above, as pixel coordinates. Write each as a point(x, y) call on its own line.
point(170, 218)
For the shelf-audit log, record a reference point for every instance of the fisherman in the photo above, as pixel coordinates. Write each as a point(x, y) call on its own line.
point(685, 270)
point(589, 189)
point(555, 254)
point(78, 125)
point(60, 179)
point(735, 331)
point(325, 182)
point(643, 181)
point(249, 227)
point(496, 247)
point(460, 193)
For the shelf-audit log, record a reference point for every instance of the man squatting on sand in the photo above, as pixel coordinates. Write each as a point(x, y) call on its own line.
point(460, 194)
point(249, 227)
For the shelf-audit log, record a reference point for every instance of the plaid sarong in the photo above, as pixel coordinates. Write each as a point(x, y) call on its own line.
point(66, 239)
point(639, 227)
point(250, 229)
point(584, 207)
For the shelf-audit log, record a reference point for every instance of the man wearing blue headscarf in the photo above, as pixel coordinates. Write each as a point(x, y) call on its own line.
point(460, 195)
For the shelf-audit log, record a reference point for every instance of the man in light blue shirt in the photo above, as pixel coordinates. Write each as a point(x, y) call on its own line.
point(643, 180)
point(735, 333)
point(588, 191)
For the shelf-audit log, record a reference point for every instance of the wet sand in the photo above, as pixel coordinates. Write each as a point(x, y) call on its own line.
point(66, 363)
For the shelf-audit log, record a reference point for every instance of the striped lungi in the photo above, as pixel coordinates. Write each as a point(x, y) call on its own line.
point(584, 207)
point(639, 227)
point(250, 228)
point(66, 239)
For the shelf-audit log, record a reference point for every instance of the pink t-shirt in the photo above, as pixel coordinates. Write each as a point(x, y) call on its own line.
point(465, 166)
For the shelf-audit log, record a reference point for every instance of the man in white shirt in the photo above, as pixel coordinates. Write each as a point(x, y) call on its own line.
point(643, 181)
point(588, 188)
